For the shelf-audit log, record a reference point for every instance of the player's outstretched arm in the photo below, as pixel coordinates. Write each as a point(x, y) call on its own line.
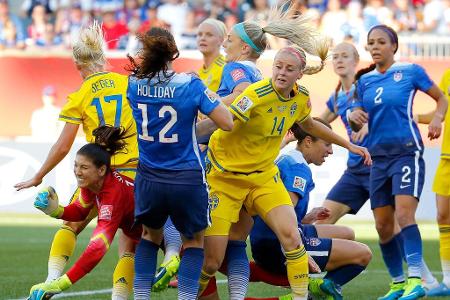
point(321, 131)
point(56, 154)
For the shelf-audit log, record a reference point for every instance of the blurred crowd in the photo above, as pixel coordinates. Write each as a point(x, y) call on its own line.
point(53, 24)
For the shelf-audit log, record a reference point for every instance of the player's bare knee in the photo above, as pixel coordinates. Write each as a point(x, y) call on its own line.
point(405, 219)
point(211, 264)
point(364, 254)
point(385, 230)
point(76, 227)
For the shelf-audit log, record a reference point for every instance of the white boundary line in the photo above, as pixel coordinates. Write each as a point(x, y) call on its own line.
point(219, 281)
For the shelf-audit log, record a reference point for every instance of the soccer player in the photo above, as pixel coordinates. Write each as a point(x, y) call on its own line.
point(210, 36)
point(352, 190)
point(170, 179)
point(101, 100)
point(241, 162)
point(385, 90)
point(103, 188)
point(441, 187)
point(343, 259)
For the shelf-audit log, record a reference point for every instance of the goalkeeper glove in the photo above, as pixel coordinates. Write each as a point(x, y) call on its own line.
point(47, 201)
point(44, 291)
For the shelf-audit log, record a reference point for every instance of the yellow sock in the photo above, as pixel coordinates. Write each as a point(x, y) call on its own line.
point(297, 272)
point(123, 277)
point(203, 281)
point(62, 248)
point(444, 250)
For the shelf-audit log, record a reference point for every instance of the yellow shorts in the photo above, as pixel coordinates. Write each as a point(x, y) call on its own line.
point(441, 184)
point(229, 192)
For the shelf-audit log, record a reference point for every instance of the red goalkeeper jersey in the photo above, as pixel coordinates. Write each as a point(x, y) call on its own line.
point(115, 205)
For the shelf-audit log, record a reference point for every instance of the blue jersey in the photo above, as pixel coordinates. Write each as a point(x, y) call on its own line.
point(340, 105)
point(165, 115)
point(235, 73)
point(297, 178)
point(388, 98)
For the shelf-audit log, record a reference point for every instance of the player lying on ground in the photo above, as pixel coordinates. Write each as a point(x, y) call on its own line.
point(111, 193)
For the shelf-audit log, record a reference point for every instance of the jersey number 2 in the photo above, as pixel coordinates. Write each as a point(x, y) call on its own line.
point(162, 134)
point(377, 98)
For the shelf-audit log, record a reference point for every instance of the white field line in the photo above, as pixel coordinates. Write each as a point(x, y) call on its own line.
point(219, 281)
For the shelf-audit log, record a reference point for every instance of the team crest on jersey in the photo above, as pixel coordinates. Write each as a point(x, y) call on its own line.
point(237, 74)
point(314, 242)
point(213, 97)
point(244, 104)
point(105, 212)
point(213, 202)
point(299, 183)
point(398, 76)
point(282, 108)
point(293, 109)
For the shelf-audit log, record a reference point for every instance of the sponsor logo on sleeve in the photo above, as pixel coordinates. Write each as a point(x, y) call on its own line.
point(237, 74)
point(105, 212)
point(299, 183)
point(244, 104)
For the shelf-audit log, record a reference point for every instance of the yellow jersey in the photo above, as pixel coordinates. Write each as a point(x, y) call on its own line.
point(212, 75)
point(263, 118)
point(102, 100)
point(445, 87)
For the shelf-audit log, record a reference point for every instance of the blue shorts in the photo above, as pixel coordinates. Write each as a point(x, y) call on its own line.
point(269, 255)
point(352, 190)
point(398, 175)
point(187, 205)
point(308, 230)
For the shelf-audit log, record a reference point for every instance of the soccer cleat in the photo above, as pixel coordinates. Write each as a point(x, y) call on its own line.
point(440, 291)
point(165, 273)
point(324, 289)
point(396, 291)
point(413, 290)
point(286, 297)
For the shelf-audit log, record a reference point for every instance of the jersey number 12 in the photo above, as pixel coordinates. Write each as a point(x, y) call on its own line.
point(162, 133)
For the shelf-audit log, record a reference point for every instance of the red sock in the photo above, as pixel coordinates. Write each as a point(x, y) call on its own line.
point(258, 274)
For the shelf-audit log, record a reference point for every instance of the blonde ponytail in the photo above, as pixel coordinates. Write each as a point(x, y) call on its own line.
point(88, 49)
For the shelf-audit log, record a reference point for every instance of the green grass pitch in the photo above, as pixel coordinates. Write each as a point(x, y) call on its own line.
point(25, 241)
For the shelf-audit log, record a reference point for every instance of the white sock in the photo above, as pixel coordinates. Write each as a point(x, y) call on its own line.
point(56, 267)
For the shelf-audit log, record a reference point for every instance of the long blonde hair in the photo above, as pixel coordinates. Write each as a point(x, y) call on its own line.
point(88, 49)
point(296, 29)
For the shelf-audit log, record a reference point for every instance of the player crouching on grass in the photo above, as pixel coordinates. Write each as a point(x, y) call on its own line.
point(113, 196)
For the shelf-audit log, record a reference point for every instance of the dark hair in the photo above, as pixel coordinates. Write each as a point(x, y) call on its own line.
point(300, 134)
point(108, 141)
point(393, 37)
point(158, 50)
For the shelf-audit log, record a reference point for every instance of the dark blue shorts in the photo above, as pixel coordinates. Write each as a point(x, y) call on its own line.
point(269, 255)
point(398, 175)
point(187, 205)
point(352, 190)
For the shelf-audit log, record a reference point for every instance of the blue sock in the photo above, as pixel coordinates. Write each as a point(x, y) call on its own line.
point(342, 275)
point(238, 269)
point(189, 273)
point(413, 250)
point(392, 256)
point(172, 239)
point(399, 239)
point(144, 268)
